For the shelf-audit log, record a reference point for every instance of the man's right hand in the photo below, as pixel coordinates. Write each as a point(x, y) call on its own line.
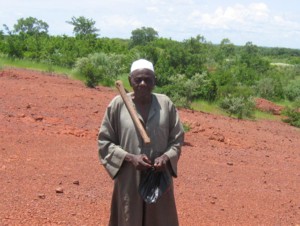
point(140, 162)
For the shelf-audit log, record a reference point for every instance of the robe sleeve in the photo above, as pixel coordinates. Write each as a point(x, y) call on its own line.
point(175, 141)
point(111, 155)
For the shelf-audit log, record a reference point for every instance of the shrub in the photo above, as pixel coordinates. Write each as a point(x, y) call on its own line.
point(269, 88)
point(100, 68)
point(178, 90)
point(203, 87)
point(90, 72)
point(293, 114)
point(292, 91)
point(235, 89)
point(183, 90)
point(180, 101)
point(239, 106)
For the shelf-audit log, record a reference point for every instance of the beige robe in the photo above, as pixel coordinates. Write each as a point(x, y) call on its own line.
point(118, 136)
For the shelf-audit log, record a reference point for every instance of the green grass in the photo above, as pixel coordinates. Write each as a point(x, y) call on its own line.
point(200, 105)
point(44, 67)
point(265, 115)
point(284, 103)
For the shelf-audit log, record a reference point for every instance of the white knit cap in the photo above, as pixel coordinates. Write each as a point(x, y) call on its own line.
point(141, 64)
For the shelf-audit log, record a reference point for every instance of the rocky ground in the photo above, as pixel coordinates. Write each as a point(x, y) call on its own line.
point(231, 172)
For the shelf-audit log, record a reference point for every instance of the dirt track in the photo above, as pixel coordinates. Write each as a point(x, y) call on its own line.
point(231, 172)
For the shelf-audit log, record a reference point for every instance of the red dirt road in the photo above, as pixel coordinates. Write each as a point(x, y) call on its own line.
point(231, 172)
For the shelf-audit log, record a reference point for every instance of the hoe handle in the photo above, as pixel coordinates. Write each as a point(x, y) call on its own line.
point(132, 112)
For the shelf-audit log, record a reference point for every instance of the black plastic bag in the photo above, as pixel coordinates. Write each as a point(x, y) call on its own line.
point(153, 185)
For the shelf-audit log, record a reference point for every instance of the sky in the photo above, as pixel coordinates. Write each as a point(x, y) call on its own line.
point(267, 23)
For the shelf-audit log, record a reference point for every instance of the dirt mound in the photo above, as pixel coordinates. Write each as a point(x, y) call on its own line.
point(231, 172)
point(268, 106)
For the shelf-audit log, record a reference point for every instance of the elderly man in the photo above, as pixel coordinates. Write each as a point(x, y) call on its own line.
point(124, 155)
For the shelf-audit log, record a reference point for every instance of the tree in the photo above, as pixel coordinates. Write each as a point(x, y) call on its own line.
point(197, 53)
point(195, 45)
point(142, 36)
point(31, 26)
point(83, 26)
point(252, 65)
point(226, 49)
point(25, 40)
point(1, 38)
point(13, 45)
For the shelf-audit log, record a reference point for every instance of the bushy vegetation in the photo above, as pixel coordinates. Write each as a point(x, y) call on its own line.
point(184, 90)
point(292, 90)
point(238, 106)
point(100, 68)
point(293, 114)
point(187, 71)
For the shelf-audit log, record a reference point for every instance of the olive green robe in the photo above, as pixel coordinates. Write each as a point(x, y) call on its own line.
point(118, 136)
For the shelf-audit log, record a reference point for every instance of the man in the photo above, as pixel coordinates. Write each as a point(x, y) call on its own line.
point(124, 155)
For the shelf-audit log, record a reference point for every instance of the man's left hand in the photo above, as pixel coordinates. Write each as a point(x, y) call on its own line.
point(161, 163)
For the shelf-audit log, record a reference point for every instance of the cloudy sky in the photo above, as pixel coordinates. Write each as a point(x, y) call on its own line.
point(272, 23)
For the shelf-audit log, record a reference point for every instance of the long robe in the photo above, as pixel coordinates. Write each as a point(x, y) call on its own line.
point(117, 137)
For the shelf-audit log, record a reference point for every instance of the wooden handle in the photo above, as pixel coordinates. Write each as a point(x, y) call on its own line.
point(132, 112)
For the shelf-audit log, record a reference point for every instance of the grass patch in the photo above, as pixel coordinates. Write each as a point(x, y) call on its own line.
point(186, 127)
point(200, 105)
point(284, 103)
point(265, 115)
point(44, 67)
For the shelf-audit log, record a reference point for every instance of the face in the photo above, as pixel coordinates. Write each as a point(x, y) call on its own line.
point(142, 81)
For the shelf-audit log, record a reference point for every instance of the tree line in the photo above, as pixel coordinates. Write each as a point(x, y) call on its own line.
point(189, 70)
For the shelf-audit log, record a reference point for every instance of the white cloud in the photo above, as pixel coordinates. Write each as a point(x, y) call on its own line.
point(236, 17)
point(152, 9)
point(253, 18)
point(264, 21)
point(118, 21)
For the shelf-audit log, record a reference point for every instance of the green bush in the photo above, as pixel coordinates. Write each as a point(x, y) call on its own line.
point(91, 73)
point(238, 106)
point(235, 90)
point(292, 91)
point(100, 68)
point(183, 90)
point(269, 88)
point(293, 114)
point(177, 90)
point(202, 87)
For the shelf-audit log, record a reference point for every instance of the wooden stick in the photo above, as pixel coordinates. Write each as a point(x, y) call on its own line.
point(132, 112)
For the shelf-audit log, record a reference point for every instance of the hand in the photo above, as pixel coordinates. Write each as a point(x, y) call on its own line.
point(161, 163)
point(140, 162)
